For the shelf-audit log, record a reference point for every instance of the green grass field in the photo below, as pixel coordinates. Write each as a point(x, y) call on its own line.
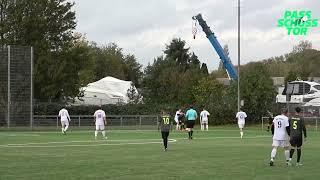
point(134, 154)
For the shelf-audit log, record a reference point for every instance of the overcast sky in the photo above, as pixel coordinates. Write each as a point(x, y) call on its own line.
point(143, 27)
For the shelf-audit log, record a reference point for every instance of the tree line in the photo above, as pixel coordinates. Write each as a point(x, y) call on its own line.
point(65, 60)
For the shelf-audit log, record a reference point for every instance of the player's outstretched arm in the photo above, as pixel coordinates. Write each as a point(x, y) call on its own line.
point(272, 129)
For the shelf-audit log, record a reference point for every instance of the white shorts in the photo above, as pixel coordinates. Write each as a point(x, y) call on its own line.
point(204, 122)
point(99, 127)
point(280, 143)
point(241, 125)
point(64, 123)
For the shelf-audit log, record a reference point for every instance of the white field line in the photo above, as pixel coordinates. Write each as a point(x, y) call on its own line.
point(62, 144)
point(122, 142)
point(118, 131)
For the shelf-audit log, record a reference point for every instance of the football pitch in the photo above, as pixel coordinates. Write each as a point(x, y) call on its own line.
point(138, 154)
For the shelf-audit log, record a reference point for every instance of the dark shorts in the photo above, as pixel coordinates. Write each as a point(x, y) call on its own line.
point(164, 134)
point(296, 141)
point(190, 124)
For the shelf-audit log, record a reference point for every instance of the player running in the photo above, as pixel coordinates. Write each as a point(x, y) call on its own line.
point(166, 126)
point(100, 122)
point(281, 131)
point(296, 128)
point(241, 116)
point(65, 119)
point(204, 119)
point(191, 116)
point(181, 121)
point(176, 119)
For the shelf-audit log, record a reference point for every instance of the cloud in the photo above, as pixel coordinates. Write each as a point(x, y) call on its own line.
point(143, 27)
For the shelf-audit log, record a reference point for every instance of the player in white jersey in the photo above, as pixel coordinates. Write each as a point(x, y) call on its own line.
point(281, 131)
point(65, 119)
point(204, 119)
point(241, 116)
point(176, 119)
point(100, 122)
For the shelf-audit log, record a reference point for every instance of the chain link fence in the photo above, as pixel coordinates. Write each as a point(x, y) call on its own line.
point(16, 90)
point(87, 122)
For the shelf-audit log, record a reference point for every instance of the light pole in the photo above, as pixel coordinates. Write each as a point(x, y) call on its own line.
point(238, 55)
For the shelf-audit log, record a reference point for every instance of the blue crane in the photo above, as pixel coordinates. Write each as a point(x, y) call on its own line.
point(232, 73)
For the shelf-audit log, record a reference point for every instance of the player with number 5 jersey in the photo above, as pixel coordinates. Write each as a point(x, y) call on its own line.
point(297, 127)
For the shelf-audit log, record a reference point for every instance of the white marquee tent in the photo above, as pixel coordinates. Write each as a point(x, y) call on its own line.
point(108, 90)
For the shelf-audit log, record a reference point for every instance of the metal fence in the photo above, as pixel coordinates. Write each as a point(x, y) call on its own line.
point(16, 83)
point(87, 121)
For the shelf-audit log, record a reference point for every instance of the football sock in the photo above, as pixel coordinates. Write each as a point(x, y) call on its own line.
point(287, 154)
point(207, 126)
point(299, 155)
point(66, 128)
point(62, 129)
point(96, 134)
point(202, 127)
point(103, 133)
point(291, 153)
point(273, 153)
point(191, 132)
point(241, 134)
point(165, 142)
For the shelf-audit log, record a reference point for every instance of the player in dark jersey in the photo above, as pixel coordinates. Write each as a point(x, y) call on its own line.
point(165, 124)
point(270, 119)
point(181, 121)
point(297, 127)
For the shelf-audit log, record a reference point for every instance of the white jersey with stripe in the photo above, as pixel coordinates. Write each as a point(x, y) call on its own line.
point(280, 123)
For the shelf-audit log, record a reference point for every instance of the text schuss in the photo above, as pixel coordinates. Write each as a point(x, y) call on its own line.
point(297, 22)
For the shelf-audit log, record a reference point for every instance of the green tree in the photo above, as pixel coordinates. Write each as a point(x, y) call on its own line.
point(303, 45)
point(132, 70)
point(47, 26)
point(257, 91)
point(291, 76)
point(171, 78)
point(204, 69)
point(177, 52)
point(133, 95)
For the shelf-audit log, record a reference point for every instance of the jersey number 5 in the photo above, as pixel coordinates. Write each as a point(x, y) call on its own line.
point(294, 125)
point(165, 120)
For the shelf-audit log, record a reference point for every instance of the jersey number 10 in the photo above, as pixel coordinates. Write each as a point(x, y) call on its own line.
point(165, 120)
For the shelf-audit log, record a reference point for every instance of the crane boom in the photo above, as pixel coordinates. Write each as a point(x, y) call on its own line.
point(232, 73)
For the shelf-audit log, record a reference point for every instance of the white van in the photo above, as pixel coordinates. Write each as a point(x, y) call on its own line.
point(303, 92)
